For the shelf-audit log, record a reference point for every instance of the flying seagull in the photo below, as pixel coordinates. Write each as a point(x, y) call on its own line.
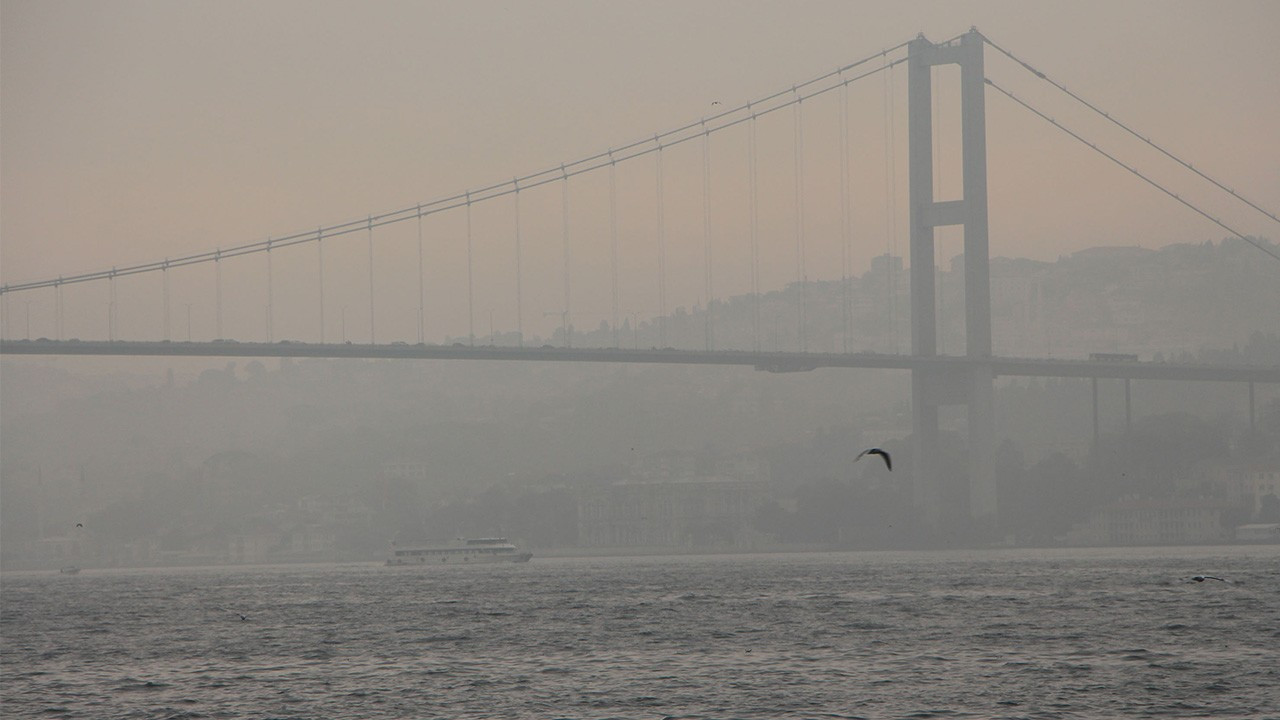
point(1202, 578)
point(79, 524)
point(888, 461)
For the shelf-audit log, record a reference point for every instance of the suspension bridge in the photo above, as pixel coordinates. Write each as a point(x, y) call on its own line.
point(593, 239)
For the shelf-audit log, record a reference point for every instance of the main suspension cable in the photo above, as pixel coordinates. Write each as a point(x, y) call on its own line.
point(558, 173)
point(1129, 130)
point(1133, 170)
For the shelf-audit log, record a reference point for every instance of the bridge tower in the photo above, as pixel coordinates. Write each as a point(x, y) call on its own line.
point(935, 385)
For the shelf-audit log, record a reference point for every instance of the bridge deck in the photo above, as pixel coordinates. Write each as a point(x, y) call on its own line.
point(768, 361)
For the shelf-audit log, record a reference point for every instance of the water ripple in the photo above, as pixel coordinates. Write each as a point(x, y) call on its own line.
point(839, 636)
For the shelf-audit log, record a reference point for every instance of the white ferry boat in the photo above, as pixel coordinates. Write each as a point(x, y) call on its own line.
point(460, 551)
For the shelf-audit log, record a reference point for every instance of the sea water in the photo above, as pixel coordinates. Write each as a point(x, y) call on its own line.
point(989, 634)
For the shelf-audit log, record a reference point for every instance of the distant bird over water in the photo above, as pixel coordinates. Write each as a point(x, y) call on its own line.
point(1202, 578)
point(237, 613)
point(888, 461)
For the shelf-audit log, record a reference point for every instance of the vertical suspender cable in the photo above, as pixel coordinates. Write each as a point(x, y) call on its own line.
point(270, 298)
point(471, 296)
point(519, 287)
point(706, 231)
point(754, 205)
point(372, 338)
point(613, 241)
point(217, 292)
point(58, 303)
point(935, 85)
point(164, 282)
point(662, 253)
point(891, 210)
point(320, 276)
point(893, 170)
point(422, 289)
point(111, 307)
point(564, 210)
point(846, 219)
point(801, 281)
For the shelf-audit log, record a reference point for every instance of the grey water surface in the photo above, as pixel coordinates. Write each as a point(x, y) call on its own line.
point(989, 634)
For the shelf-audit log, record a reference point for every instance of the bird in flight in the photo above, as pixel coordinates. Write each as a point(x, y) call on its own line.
point(888, 461)
point(1202, 578)
point(242, 616)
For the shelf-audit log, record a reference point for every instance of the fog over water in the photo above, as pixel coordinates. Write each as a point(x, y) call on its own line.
point(208, 536)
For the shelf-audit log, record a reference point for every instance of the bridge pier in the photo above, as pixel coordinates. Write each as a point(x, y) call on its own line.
point(931, 388)
point(1253, 424)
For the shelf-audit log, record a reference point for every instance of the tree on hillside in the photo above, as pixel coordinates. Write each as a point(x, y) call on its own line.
point(1157, 454)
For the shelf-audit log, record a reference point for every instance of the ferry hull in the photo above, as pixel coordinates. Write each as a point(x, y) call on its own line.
point(523, 557)
point(481, 551)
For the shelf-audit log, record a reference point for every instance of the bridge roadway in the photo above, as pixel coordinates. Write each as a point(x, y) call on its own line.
point(767, 361)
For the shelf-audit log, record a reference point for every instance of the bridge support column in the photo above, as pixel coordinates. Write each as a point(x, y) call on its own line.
point(1253, 424)
point(931, 387)
point(1097, 429)
point(926, 489)
point(982, 451)
point(1128, 408)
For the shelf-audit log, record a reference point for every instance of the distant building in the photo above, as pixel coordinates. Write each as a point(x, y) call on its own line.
point(405, 470)
point(251, 547)
point(344, 510)
point(1257, 483)
point(1154, 522)
point(742, 466)
point(1259, 532)
point(310, 540)
point(705, 512)
point(60, 549)
point(1245, 485)
point(1112, 253)
point(886, 263)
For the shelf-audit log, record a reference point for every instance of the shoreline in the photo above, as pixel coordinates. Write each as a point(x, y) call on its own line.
point(1013, 553)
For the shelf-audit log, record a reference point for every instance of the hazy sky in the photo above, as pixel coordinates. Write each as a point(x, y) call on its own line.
point(133, 131)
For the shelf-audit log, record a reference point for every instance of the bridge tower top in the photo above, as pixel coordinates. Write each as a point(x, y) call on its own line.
point(928, 212)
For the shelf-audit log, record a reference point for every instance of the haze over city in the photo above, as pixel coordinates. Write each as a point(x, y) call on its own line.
point(625, 358)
